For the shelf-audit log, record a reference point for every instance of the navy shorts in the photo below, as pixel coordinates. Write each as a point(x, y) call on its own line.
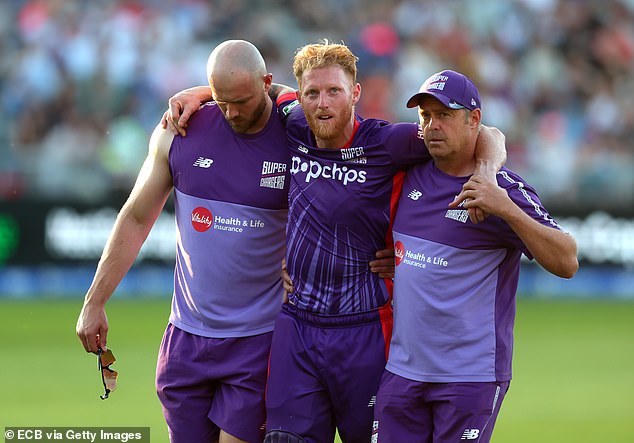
point(324, 374)
point(420, 412)
point(207, 384)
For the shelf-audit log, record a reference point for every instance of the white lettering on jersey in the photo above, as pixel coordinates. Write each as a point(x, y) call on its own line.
point(314, 169)
point(273, 175)
point(349, 153)
point(275, 182)
point(273, 168)
point(461, 215)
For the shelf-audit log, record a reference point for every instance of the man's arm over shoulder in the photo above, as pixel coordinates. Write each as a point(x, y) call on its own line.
point(278, 90)
point(182, 105)
point(490, 156)
point(131, 228)
point(490, 153)
point(404, 140)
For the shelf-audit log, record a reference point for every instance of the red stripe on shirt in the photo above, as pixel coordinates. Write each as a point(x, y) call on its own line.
point(286, 97)
point(385, 312)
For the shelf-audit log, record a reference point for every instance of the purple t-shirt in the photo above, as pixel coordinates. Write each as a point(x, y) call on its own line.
point(455, 282)
point(341, 204)
point(230, 193)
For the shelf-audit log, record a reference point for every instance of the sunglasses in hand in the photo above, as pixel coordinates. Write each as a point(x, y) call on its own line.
point(108, 376)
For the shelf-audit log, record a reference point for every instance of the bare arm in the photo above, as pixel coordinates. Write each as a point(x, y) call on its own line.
point(384, 264)
point(133, 224)
point(490, 156)
point(184, 103)
point(181, 107)
point(555, 250)
point(278, 89)
point(286, 282)
point(490, 153)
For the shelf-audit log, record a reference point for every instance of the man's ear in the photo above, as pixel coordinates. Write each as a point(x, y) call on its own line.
point(475, 118)
point(356, 93)
point(268, 81)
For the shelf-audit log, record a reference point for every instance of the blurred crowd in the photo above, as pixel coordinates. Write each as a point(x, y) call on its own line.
point(83, 83)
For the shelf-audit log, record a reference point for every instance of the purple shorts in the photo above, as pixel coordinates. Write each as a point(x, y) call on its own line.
point(324, 373)
point(209, 384)
point(421, 412)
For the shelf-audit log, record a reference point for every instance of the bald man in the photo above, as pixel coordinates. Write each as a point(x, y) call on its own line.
point(230, 182)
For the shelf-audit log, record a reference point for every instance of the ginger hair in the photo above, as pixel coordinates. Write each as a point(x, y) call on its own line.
point(322, 55)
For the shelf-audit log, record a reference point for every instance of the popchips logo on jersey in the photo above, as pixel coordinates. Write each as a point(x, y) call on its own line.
point(399, 252)
point(314, 169)
point(202, 219)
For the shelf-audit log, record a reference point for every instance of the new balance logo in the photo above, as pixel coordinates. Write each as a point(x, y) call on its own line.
point(415, 195)
point(372, 401)
point(470, 434)
point(203, 162)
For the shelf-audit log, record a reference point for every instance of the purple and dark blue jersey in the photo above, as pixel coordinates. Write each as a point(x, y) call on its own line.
point(230, 194)
point(455, 282)
point(341, 205)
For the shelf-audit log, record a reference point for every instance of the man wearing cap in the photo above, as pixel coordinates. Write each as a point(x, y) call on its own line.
point(449, 364)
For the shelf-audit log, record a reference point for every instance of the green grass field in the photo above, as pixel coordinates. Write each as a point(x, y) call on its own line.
point(573, 370)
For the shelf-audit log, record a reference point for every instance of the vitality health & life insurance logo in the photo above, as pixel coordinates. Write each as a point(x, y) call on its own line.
point(202, 219)
point(417, 259)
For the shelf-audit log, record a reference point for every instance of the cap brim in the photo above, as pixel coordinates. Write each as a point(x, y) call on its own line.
point(414, 99)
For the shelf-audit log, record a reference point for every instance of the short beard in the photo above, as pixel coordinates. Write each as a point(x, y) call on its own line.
point(327, 132)
point(245, 125)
